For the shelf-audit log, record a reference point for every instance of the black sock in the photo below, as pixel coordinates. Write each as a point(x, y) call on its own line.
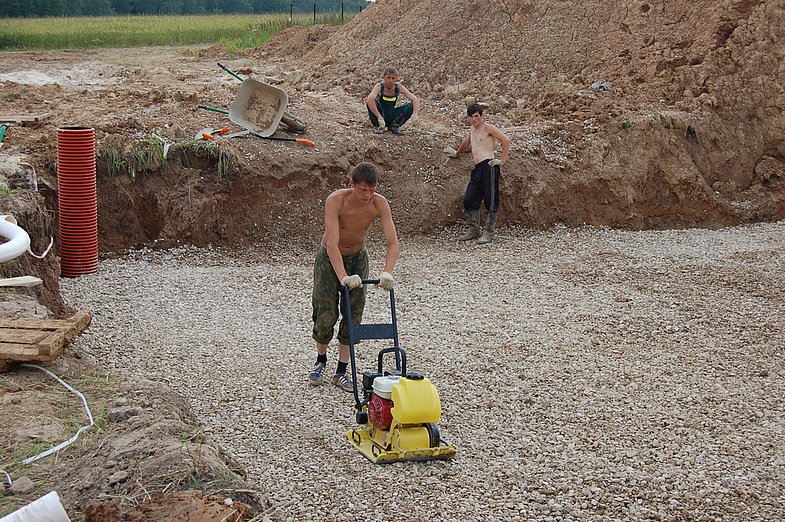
point(321, 359)
point(341, 367)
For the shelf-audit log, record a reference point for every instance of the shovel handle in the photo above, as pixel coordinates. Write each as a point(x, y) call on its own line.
point(281, 138)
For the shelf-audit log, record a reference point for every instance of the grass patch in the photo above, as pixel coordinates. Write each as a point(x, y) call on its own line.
point(236, 31)
point(148, 154)
point(115, 164)
point(152, 154)
point(224, 160)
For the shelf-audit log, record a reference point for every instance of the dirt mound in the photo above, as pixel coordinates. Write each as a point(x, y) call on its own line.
point(693, 57)
point(144, 455)
point(690, 102)
point(295, 42)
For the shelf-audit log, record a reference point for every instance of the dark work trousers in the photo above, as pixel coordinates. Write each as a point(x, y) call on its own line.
point(394, 117)
point(483, 187)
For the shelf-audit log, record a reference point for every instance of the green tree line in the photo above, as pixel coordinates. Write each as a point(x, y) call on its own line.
point(47, 8)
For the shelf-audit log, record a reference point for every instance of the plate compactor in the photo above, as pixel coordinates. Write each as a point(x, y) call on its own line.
point(398, 409)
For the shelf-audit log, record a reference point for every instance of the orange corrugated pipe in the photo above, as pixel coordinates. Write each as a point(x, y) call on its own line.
point(77, 201)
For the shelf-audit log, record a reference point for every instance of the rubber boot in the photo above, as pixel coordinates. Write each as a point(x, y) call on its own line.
point(487, 234)
point(473, 217)
point(395, 125)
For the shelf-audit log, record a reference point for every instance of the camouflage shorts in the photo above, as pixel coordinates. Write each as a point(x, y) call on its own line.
point(328, 294)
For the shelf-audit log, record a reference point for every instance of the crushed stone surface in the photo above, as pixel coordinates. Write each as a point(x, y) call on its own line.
point(584, 374)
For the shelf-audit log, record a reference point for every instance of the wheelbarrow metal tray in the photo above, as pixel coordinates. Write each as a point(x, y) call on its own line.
point(258, 107)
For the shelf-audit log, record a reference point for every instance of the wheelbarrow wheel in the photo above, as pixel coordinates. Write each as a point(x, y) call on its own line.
point(293, 122)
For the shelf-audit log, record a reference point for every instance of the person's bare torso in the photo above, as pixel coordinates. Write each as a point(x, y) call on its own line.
point(483, 143)
point(354, 219)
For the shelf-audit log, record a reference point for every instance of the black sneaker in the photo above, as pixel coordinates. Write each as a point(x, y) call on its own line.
point(397, 130)
point(343, 382)
point(316, 377)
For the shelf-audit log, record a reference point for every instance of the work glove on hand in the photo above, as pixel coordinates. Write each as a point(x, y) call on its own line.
point(352, 281)
point(379, 130)
point(450, 152)
point(495, 162)
point(415, 119)
point(386, 281)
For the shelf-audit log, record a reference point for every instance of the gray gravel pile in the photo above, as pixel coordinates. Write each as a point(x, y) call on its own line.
point(584, 374)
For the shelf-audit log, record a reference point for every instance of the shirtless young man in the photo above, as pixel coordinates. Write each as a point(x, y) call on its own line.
point(342, 260)
point(382, 102)
point(484, 180)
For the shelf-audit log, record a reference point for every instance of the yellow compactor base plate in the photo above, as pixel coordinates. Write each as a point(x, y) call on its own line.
point(376, 454)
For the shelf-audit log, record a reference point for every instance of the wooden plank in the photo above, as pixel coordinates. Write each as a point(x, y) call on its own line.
point(53, 342)
point(31, 324)
point(16, 336)
point(41, 340)
point(18, 352)
point(24, 119)
point(80, 320)
point(20, 281)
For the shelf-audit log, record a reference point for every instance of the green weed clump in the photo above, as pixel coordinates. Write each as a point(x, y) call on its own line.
point(115, 164)
point(223, 159)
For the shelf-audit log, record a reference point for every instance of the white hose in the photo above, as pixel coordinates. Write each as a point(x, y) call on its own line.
point(18, 240)
point(80, 430)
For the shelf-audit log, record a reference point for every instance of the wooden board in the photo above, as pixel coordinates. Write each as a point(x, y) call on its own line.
point(24, 120)
point(20, 281)
point(39, 340)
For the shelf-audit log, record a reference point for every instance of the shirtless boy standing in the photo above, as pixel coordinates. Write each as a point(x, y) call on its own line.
point(484, 181)
point(342, 260)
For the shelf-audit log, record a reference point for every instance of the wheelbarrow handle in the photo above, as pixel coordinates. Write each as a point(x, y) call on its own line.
point(213, 109)
point(225, 68)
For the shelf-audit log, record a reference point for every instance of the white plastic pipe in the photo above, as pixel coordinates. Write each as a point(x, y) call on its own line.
point(46, 508)
point(18, 240)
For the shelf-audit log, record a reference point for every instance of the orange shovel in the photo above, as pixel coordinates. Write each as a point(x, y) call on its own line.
point(210, 135)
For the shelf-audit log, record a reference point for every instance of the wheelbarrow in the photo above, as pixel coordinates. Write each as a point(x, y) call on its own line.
point(209, 133)
point(260, 107)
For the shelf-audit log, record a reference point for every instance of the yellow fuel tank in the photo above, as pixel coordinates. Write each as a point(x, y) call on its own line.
point(415, 401)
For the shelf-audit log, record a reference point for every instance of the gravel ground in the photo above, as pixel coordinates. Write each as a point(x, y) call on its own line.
point(584, 374)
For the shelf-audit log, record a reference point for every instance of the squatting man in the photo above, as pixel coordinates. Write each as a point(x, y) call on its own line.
point(382, 104)
point(484, 180)
point(342, 261)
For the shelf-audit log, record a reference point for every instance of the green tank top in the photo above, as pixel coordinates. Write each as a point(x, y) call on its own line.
point(388, 102)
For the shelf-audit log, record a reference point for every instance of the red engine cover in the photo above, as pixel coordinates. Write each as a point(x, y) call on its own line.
point(380, 412)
